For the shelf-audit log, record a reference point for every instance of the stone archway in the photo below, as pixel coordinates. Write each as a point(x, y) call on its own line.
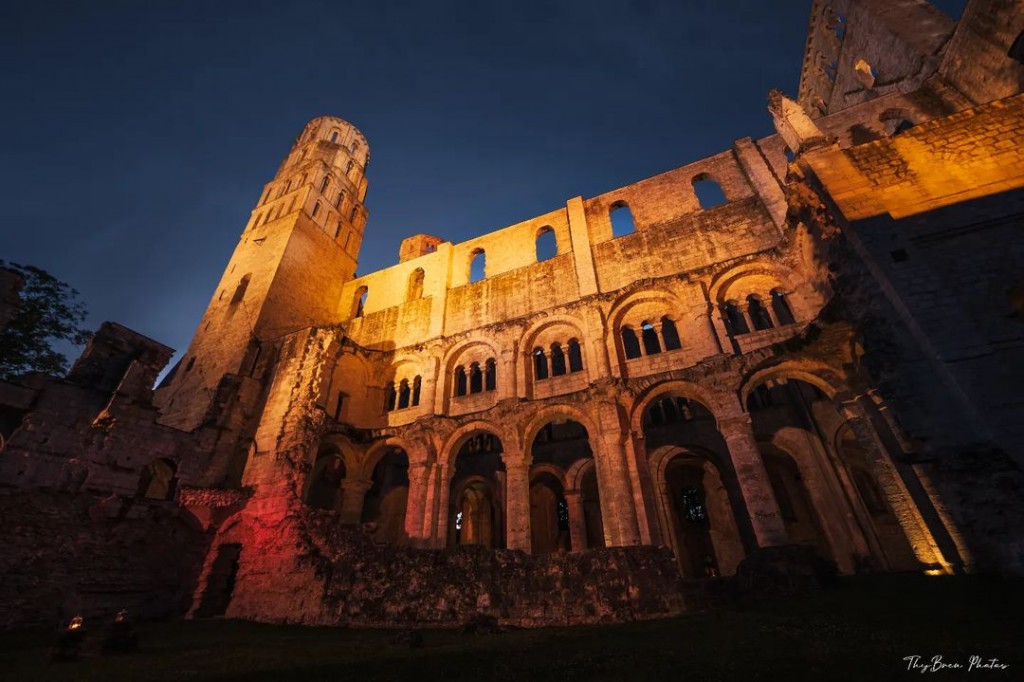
point(549, 515)
point(385, 501)
point(477, 492)
point(324, 488)
point(697, 512)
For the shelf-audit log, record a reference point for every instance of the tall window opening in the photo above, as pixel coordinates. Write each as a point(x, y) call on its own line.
point(734, 321)
point(622, 219)
point(709, 192)
point(540, 364)
point(390, 397)
point(316, 209)
point(360, 301)
point(758, 313)
point(491, 375)
point(547, 244)
point(239, 294)
point(557, 360)
point(651, 344)
point(630, 343)
point(460, 381)
point(415, 285)
point(670, 334)
point(780, 306)
point(575, 356)
point(476, 378)
point(325, 183)
point(404, 394)
point(477, 266)
point(417, 384)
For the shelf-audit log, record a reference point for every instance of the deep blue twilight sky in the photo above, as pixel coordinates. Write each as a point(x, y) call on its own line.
point(138, 134)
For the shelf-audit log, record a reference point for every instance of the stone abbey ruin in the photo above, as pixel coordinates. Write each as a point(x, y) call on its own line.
point(580, 417)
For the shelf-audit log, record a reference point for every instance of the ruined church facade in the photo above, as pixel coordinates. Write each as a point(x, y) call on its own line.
point(750, 351)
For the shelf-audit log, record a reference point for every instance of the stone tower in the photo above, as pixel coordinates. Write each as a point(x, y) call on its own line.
point(299, 248)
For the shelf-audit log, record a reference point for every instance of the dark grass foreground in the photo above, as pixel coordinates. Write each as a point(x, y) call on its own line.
point(860, 630)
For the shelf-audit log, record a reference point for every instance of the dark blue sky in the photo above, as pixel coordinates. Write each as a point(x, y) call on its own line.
point(137, 135)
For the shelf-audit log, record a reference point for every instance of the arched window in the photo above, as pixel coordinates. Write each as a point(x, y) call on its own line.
point(359, 303)
point(460, 381)
point(338, 199)
point(389, 397)
point(491, 375)
point(865, 73)
point(630, 344)
point(325, 183)
point(575, 356)
point(158, 481)
point(735, 323)
point(709, 192)
point(540, 364)
point(239, 294)
point(477, 266)
point(557, 360)
point(337, 229)
point(651, 344)
point(334, 136)
point(547, 244)
point(758, 313)
point(415, 291)
point(316, 209)
point(417, 383)
point(670, 334)
point(404, 394)
point(780, 306)
point(622, 219)
point(476, 378)
point(353, 212)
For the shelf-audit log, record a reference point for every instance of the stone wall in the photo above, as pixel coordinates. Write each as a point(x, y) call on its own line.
point(64, 554)
point(308, 568)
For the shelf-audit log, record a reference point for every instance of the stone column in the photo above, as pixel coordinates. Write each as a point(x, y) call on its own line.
point(618, 491)
point(517, 501)
point(353, 494)
point(419, 477)
point(908, 514)
point(763, 510)
point(438, 510)
point(577, 521)
point(506, 383)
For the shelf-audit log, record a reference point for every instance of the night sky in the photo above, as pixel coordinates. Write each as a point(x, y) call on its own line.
point(137, 135)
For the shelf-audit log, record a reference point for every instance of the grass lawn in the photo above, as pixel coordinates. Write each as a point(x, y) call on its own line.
point(860, 630)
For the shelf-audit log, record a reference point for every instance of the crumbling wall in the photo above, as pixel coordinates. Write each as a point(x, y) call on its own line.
point(308, 568)
point(63, 554)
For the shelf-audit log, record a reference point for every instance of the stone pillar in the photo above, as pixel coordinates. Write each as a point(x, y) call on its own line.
point(577, 521)
point(517, 501)
point(439, 508)
point(353, 493)
point(763, 510)
point(908, 514)
point(618, 491)
point(506, 383)
point(419, 478)
point(644, 490)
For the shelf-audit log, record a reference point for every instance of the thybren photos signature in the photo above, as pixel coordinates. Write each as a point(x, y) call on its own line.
point(923, 664)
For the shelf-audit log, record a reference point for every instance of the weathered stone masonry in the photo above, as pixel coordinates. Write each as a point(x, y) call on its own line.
point(828, 356)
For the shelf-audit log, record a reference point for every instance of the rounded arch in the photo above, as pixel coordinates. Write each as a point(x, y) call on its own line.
point(459, 436)
point(767, 276)
point(574, 474)
point(539, 469)
point(454, 353)
point(624, 304)
point(550, 413)
point(534, 331)
point(348, 450)
point(686, 389)
point(817, 374)
point(377, 451)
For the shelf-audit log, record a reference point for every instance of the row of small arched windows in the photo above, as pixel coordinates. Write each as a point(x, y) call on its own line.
point(649, 342)
point(561, 361)
point(477, 380)
point(405, 395)
point(757, 316)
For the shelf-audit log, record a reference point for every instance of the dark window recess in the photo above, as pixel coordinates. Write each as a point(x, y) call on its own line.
point(899, 256)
